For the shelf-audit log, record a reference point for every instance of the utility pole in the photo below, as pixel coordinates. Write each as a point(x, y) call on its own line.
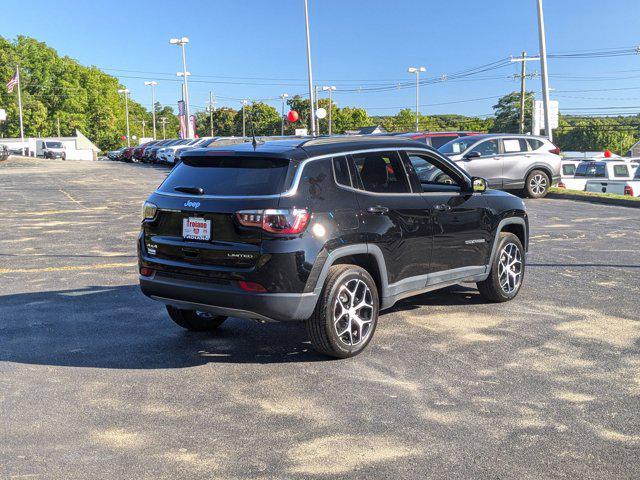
point(309, 69)
point(417, 71)
point(523, 75)
point(316, 119)
point(212, 107)
point(58, 124)
point(163, 121)
point(153, 84)
point(244, 104)
point(144, 124)
point(283, 97)
point(545, 73)
point(126, 107)
point(330, 89)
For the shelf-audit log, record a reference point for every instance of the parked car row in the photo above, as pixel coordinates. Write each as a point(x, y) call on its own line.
point(602, 175)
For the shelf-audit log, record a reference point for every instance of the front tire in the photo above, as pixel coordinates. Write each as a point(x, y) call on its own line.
point(195, 320)
point(507, 270)
point(346, 314)
point(537, 185)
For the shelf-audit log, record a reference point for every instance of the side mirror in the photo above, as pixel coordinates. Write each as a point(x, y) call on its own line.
point(479, 184)
point(472, 155)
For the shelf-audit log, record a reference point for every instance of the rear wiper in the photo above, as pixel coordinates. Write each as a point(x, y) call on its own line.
point(191, 190)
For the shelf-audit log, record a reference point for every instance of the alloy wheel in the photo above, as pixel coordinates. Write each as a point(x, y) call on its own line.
point(538, 184)
point(510, 268)
point(353, 312)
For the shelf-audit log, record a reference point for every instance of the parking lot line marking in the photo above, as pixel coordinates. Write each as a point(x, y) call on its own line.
point(73, 199)
point(67, 268)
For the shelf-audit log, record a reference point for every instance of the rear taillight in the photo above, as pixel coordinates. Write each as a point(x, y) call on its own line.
point(628, 190)
point(555, 151)
point(146, 272)
point(562, 185)
point(286, 222)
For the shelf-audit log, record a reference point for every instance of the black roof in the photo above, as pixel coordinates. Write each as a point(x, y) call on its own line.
point(298, 148)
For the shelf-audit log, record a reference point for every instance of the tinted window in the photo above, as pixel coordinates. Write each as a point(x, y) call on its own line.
point(53, 144)
point(341, 171)
point(620, 171)
point(569, 169)
point(487, 148)
point(457, 146)
point(535, 143)
point(430, 174)
point(591, 170)
point(221, 175)
point(437, 142)
point(637, 175)
point(381, 172)
point(514, 145)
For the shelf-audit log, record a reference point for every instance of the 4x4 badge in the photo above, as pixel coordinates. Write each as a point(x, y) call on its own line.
point(189, 203)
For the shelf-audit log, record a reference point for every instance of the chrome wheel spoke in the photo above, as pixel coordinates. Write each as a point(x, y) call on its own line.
point(510, 268)
point(353, 312)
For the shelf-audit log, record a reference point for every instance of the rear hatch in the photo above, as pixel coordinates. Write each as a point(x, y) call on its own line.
point(196, 224)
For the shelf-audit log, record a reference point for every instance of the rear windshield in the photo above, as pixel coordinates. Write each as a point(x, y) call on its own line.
point(229, 175)
point(591, 170)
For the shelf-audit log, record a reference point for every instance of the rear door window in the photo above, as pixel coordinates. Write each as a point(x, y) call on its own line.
point(341, 171)
point(438, 141)
point(514, 145)
point(535, 143)
point(381, 172)
point(621, 171)
point(229, 175)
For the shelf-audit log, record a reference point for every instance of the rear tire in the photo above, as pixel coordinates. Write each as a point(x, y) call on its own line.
point(195, 320)
point(537, 185)
point(507, 270)
point(346, 314)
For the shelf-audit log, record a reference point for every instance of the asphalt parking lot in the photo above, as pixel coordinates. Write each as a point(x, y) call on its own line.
point(96, 381)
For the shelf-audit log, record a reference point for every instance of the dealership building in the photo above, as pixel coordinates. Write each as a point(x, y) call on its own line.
point(76, 148)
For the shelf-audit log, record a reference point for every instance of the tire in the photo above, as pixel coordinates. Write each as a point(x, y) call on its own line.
point(493, 288)
point(537, 184)
point(344, 286)
point(194, 320)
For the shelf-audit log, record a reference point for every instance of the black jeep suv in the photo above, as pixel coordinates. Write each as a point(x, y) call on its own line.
point(329, 231)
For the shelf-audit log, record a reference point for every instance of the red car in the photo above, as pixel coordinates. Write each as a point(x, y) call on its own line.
point(435, 139)
point(127, 155)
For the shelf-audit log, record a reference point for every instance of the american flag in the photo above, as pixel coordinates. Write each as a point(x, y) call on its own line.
point(13, 82)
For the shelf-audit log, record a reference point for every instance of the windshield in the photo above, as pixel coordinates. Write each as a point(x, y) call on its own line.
point(457, 146)
point(637, 175)
point(229, 175)
point(53, 145)
point(591, 170)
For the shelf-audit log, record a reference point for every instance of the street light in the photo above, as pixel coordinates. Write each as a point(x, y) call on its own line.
point(417, 71)
point(126, 106)
point(329, 89)
point(153, 84)
point(309, 70)
point(283, 97)
point(182, 42)
point(244, 104)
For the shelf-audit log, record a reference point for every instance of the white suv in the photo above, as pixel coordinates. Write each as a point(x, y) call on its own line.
point(508, 162)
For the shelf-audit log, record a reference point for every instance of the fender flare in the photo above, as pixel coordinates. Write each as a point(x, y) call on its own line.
point(357, 249)
point(504, 222)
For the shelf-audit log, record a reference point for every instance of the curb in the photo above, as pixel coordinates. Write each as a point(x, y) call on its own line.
point(621, 202)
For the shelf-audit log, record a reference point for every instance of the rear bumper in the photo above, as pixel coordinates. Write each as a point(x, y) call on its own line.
point(227, 299)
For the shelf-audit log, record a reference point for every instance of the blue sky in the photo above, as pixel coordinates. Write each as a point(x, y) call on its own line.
point(256, 49)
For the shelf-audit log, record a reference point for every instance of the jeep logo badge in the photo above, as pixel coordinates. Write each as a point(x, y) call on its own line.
point(189, 203)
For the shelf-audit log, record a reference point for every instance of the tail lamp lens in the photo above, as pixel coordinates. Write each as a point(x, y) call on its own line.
point(287, 222)
point(628, 190)
point(555, 151)
point(251, 287)
point(149, 210)
point(146, 272)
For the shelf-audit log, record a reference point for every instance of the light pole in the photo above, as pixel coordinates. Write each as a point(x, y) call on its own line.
point(417, 71)
point(284, 96)
point(153, 84)
point(187, 121)
point(182, 42)
point(126, 107)
point(212, 107)
point(244, 104)
point(163, 121)
point(329, 89)
point(545, 75)
point(310, 72)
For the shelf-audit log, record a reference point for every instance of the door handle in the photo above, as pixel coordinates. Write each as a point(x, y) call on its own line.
point(442, 207)
point(378, 209)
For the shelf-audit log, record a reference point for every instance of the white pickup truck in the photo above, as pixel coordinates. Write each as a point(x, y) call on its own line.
point(598, 171)
point(620, 187)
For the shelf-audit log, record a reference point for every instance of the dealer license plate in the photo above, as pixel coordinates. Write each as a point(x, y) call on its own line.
point(196, 228)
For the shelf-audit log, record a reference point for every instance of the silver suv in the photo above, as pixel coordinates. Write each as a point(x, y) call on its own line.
point(508, 162)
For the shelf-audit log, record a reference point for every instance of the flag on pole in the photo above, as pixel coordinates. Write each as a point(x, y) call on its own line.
point(13, 82)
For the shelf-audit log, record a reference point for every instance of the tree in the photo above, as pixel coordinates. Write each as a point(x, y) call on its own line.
point(223, 122)
point(507, 113)
point(596, 134)
point(260, 118)
point(350, 118)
